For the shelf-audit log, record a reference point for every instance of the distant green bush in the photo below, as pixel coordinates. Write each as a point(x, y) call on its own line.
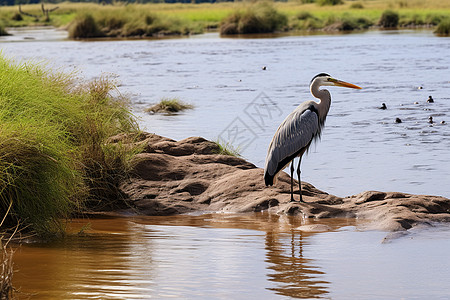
point(17, 17)
point(3, 30)
point(257, 18)
point(329, 2)
point(351, 23)
point(84, 26)
point(128, 22)
point(54, 155)
point(434, 19)
point(389, 19)
point(305, 21)
point(357, 5)
point(443, 28)
point(304, 15)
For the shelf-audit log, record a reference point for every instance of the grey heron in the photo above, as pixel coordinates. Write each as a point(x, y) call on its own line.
point(295, 134)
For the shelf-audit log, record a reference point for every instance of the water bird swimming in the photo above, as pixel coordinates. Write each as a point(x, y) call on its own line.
point(430, 99)
point(295, 134)
point(398, 120)
point(383, 106)
point(430, 120)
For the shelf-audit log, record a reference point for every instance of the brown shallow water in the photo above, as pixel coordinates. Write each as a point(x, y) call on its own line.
point(228, 256)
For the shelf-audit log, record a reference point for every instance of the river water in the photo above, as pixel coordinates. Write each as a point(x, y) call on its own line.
point(362, 148)
point(239, 101)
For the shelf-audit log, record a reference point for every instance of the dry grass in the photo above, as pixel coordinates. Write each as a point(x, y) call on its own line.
point(169, 105)
point(6, 267)
point(6, 272)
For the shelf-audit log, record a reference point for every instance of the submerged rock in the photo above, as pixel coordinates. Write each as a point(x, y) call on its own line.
point(175, 177)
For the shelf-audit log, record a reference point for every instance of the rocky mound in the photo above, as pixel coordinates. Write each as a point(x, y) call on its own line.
point(175, 177)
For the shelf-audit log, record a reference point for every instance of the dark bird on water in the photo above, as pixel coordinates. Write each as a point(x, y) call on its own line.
point(383, 106)
point(430, 120)
point(430, 99)
point(295, 134)
point(398, 120)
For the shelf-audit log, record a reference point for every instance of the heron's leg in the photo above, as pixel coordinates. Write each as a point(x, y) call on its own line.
point(299, 181)
point(292, 181)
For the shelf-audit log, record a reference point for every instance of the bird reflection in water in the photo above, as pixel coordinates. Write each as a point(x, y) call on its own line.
point(296, 275)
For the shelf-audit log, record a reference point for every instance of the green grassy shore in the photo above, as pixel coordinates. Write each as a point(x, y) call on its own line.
point(89, 20)
point(54, 155)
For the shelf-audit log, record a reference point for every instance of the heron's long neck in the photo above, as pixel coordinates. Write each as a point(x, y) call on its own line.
point(325, 100)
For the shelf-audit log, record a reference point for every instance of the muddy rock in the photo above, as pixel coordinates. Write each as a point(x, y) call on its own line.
point(174, 177)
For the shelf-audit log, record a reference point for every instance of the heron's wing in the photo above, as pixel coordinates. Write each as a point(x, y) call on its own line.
point(293, 136)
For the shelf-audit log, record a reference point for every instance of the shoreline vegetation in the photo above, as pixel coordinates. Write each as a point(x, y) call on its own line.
point(55, 156)
point(121, 20)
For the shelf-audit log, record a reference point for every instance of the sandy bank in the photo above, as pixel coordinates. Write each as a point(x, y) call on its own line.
point(175, 177)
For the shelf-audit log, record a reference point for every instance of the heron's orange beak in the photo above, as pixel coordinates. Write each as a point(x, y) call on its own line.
point(345, 84)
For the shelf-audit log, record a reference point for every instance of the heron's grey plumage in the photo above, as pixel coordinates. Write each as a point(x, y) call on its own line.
point(293, 137)
point(295, 134)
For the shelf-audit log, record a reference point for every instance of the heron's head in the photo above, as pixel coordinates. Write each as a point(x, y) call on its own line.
point(327, 80)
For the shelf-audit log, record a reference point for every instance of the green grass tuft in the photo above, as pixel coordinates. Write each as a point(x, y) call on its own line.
point(329, 2)
point(3, 30)
point(389, 19)
point(169, 105)
point(53, 151)
point(261, 17)
point(443, 28)
point(227, 149)
point(84, 26)
point(357, 5)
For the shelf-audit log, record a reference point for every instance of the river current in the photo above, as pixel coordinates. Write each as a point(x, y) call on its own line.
point(243, 88)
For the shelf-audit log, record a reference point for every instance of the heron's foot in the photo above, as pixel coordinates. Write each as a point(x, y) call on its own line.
point(299, 201)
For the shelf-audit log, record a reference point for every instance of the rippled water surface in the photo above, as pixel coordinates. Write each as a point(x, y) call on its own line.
point(362, 148)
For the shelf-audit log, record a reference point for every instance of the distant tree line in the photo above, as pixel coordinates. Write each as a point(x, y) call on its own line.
point(17, 2)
